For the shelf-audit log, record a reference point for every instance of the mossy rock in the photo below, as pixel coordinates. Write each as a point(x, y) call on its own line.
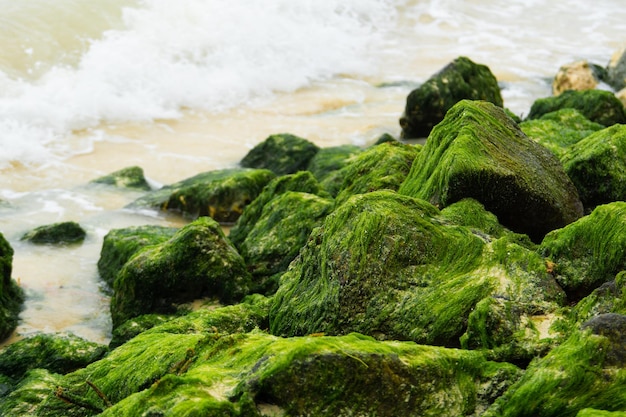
point(131, 177)
point(462, 79)
point(11, 295)
point(221, 194)
point(589, 252)
point(302, 181)
point(471, 213)
point(586, 371)
point(58, 353)
point(135, 326)
point(119, 245)
point(280, 232)
point(596, 105)
point(590, 412)
point(560, 129)
point(57, 233)
point(254, 374)
point(380, 167)
point(597, 166)
point(477, 151)
point(383, 264)
point(282, 154)
point(326, 164)
point(198, 261)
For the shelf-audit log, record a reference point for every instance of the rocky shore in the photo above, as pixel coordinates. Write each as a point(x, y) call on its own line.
point(481, 273)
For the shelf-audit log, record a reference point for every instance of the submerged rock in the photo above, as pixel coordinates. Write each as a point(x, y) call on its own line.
point(57, 233)
point(560, 129)
point(597, 166)
point(119, 245)
point(462, 79)
point(221, 194)
point(198, 261)
point(581, 373)
point(11, 295)
point(384, 264)
point(131, 177)
point(282, 154)
point(479, 152)
point(590, 251)
point(596, 105)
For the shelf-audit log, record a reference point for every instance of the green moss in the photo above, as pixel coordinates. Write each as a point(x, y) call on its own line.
point(131, 177)
point(120, 245)
point(331, 159)
point(590, 412)
point(221, 194)
point(11, 295)
point(590, 251)
point(380, 167)
point(132, 327)
point(560, 129)
point(58, 353)
point(462, 79)
point(479, 152)
point(596, 105)
point(282, 154)
point(198, 261)
point(302, 181)
point(471, 213)
point(280, 232)
point(57, 233)
point(597, 166)
point(573, 376)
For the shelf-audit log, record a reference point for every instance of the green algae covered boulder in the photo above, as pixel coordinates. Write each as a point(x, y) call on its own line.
point(590, 251)
point(462, 79)
point(221, 194)
point(282, 154)
point(57, 233)
point(137, 325)
point(120, 245)
point(560, 129)
point(380, 167)
point(471, 213)
point(11, 295)
point(597, 166)
point(58, 353)
point(477, 151)
point(327, 163)
point(599, 106)
point(302, 181)
point(131, 177)
point(386, 265)
point(280, 232)
point(586, 371)
point(198, 261)
point(590, 412)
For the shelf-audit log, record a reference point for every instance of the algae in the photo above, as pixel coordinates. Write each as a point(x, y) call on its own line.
point(281, 153)
point(597, 166)
point(11, 295)
point(130, 177)
point(221, 194)
point(57, 233)
point(477, 151)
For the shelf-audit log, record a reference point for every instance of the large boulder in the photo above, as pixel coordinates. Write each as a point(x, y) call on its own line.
point(590, 251)
point(198, 261)
point(586, 371)
point(479, 152)
point(596, 105)
point(597, 166)
point(560, 129)
point(390, 266)
point(461, 79)
point(221, 194)
point(282, 154)
point(119, 245)
point(11, 295)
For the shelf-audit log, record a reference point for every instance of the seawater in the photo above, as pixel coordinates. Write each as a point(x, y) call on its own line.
point(91, 86)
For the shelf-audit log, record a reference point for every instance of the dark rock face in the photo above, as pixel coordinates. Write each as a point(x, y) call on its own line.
point(477, 151)
point(58, 233)
point(596, 105)
point(461, 79)
point(281, 154)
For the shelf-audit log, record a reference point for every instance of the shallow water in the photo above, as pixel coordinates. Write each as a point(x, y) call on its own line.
point(89, 87)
